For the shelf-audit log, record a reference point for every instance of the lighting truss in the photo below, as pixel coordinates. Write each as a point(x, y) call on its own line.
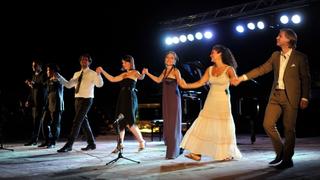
point(250, 9)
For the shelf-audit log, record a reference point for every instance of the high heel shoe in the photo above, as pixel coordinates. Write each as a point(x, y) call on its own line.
point(118, 148)
point(142, 146)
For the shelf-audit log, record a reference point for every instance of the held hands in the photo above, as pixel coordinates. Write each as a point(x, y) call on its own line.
point(99, 70)
point(55, 75)
point(145, 71)
point(236, 81)
point(303, 104)
point(29, 83)
point(26, 104)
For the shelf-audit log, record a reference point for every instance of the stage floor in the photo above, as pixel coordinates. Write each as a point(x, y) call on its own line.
point(36, 163)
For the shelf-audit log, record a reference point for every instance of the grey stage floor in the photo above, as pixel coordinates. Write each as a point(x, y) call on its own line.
point(36, 163)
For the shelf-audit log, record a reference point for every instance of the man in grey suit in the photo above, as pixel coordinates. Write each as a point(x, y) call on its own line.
point(290, 90)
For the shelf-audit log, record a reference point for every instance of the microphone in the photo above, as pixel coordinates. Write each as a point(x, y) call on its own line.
point(119, 118)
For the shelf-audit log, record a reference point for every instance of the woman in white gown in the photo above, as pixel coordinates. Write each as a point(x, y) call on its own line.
point(213, 132)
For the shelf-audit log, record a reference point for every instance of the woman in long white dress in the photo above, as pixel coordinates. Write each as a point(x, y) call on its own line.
point(213, 132)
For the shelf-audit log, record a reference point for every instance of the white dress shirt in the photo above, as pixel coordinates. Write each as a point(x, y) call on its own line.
point(284, 58)
point(89, 79)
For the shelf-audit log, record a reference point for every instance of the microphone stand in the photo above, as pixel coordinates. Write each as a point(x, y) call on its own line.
point(120, 150)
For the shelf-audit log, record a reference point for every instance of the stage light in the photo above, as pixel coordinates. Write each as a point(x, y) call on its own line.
point(251, 26)
point(260, 25)
point(183, 38)
point(296, 19)
point(168, 41)
point(240, 28)
point(175, 40)
point(190, 37)
point(199, 35)
point(208, 35)
point(284, 19)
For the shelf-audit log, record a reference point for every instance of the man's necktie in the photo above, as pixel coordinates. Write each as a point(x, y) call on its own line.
point(79, 82)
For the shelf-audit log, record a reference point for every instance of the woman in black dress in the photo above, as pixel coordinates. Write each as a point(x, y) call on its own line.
point(127, 103)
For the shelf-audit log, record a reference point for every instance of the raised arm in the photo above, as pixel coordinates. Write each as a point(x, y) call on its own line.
point(110, 77)
point(139, 76)
point(98, 81)
point(68, 84)
point(204, 79)
point(154, 78)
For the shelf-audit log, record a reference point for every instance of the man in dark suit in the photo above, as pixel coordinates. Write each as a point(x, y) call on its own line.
point(290, 90)
point(54, 108)
point(37, 98)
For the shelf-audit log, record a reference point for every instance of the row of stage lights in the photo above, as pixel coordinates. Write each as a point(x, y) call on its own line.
point(190, 37)
point(240, 28)
point(284, 19)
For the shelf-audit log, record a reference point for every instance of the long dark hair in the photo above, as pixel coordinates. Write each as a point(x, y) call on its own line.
point(226, 55)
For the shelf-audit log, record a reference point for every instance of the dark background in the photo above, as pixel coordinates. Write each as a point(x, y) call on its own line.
point(59, 32)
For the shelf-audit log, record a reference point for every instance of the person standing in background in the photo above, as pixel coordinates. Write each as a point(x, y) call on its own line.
point(55, 106)
point(37, 98)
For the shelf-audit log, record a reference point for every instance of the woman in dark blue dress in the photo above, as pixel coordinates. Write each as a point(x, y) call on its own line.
point(171, 104)
point(127, 103)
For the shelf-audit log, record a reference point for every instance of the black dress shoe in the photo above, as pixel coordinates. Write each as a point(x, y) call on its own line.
point(276, 160)
point(44, 144)
point(65, 149)
point(51, 146)
point(284, 165)
point(89, 147)
point(31, 143)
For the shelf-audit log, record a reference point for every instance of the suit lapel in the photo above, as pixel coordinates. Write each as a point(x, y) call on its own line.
point(277, 65)
point(290, 61)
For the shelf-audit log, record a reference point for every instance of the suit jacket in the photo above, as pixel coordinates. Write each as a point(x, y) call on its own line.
point(38, 93)
point(55, 96)
point(296, 77)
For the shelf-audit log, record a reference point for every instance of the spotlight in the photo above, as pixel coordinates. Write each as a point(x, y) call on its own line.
point(199, 35)
point(208, 35)
point(168, 41)
point(190, 37)
point(284, 19)
point(175, 40)
point(251, 26)
point(260, 25)
point(183, 38)
point(296, 19)
point(240, 28)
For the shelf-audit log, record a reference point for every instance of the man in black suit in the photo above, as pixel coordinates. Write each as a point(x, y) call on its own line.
point(37, 98)
point(54, 108)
